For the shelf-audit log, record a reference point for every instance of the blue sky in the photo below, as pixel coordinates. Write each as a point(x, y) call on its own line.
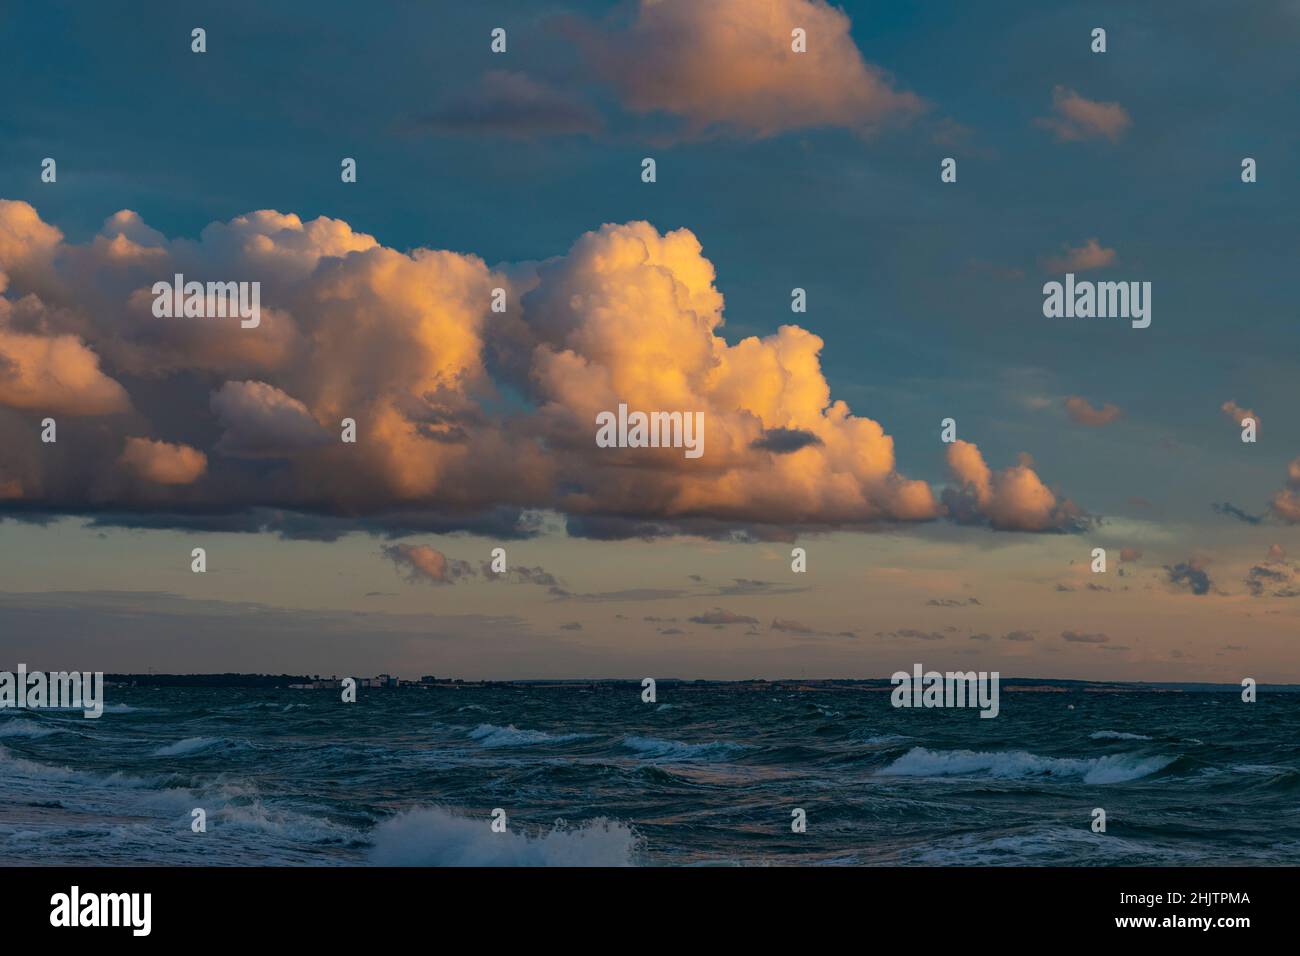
point(927, 295)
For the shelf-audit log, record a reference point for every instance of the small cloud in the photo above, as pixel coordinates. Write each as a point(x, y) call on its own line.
point(1235, 413)
point(1018, 636)
point(1082, 413)
point(1079, 118)
point(421, 563)
point(1189, 575)
point(783, 441)
point(1075, 637)
point(953, 602)
point(914, 634)
point(1232, 511)
point(1286, 503)
point(514, 105)
point(1090, 255)
point(520, 573)
point(720, 617)
point(571, 626)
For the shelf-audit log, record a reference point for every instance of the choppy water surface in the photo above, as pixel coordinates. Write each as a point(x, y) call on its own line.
point(708, 775)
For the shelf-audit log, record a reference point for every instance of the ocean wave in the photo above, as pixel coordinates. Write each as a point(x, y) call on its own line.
point(1018, 765)
point(884, 739)
point(490, 735)
point(1045, 846)
point(26, 728)
point(656, 748)
point(1116, 735)
point(13, 766)
point(436, 837)
point(294, 826)
point(189, 745)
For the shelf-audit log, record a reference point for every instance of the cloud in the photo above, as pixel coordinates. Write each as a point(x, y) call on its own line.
point(516, 105)
point(1090, 255)
point(571, 626)
point(1190, 575)
point(913, 634)
point(1075, 637)
point(792, 627)
point(1082, 413)
point(406, 345)
point(422, 563)
point(728, 64)
point(1232, 511)
point(261, 421)
point(50, 373)
point(783, 441)
point(1286, 503)
point(1260, 578)
point(1078, 118)
point(788, 626)
point(953, 602)
point(520, 573)
point(162, 462)
point(720, 617)
point(1274, 573)
point(1129, 554)
point(1014, 499)
point(1018, 636)
point(1235, 413)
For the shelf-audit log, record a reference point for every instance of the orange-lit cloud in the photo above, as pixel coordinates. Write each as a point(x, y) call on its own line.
point(1286, 503)
point(1090, 255)
point(405, 344)
point(1014, 499)
point(1082, 413)
point(1235, 413)
point(729, 63)
point(163, 462)
point(423, 564)
point(1078, 118)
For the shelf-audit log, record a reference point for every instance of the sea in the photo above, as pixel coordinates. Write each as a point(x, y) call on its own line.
point(705, 775)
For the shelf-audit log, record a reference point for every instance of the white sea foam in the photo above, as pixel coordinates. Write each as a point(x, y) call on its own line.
point(18, 767)
point(1116, 735)
point(884, 739)
point(436, 837)
point(1018, 764)
point(659, 749)
point(490, 735)
point(187, 746)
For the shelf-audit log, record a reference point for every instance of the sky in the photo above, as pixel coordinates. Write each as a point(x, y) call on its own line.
point(775, 170)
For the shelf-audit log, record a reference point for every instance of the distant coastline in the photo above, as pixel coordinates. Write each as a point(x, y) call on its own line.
point(810, 685)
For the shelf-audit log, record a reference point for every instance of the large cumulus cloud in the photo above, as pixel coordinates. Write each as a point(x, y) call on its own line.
point(465, 418)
